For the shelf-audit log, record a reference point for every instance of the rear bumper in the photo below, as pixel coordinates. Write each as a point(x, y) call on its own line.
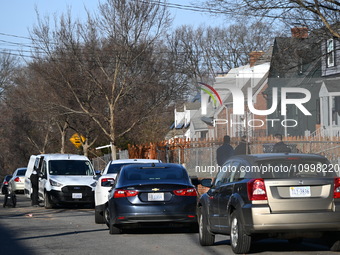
point(179, 218)
point(17, 186)
point(124, 212)
point(259, 219)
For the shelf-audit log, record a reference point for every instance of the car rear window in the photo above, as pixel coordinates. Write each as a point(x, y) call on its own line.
point(21, 172)
point(152, 174)
point(115, 168)
point(296, 168)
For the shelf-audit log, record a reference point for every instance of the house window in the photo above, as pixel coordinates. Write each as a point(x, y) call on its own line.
point(330, 53)
point(204, 135)
point(336, 110)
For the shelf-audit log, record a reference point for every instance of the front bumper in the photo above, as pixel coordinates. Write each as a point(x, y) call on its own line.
point(68, 195)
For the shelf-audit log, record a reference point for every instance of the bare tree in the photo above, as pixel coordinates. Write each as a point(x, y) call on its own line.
point(311, 13)
point(206, 51)
point(8, 65)
point(113, 67)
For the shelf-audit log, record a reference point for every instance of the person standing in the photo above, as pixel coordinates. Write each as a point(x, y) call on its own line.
point(225, 151)
point(280, 146)
point(35, 188)
point(243, 147)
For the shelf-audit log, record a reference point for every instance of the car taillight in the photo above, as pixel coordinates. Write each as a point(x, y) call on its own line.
point(107, 182)
point(336, 188)
point(124, 193)
point(17, 179)
point(5, 183)
point(257, 190)
point(186, 192)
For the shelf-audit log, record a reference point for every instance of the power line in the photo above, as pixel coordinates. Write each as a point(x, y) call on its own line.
point(16, 36)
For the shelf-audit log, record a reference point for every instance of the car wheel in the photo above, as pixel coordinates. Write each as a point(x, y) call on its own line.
point(98, 216)
point(205, 237)
point(47, 201)
point(239, 240)
point(106, 216)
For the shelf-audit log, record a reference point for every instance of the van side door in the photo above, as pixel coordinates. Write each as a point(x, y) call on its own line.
point(43, 178)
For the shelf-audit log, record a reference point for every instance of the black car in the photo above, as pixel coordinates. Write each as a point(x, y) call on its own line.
point(151, 193)
point(279, 195)
point(4, 185)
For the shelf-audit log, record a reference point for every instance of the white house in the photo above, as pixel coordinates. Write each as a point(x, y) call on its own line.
point(330, 107)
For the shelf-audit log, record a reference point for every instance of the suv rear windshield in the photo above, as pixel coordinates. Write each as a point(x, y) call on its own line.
point(70, 167)
point(296, 168)
point(115, 168)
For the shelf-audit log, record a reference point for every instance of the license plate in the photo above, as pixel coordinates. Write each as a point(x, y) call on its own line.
point(155, 196)
point(77, 195)
point(300, 191)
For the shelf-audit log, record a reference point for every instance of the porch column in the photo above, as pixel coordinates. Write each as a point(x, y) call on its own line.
point(330, 103)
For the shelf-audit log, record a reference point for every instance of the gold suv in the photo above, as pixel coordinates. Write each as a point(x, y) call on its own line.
point(290, 196)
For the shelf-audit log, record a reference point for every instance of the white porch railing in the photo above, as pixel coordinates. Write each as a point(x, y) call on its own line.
point(333, 131)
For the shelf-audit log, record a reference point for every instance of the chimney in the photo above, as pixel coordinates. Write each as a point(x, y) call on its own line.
point(299, 32)
point(254, 56)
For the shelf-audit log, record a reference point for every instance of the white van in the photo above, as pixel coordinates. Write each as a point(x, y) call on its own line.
point(64, 179)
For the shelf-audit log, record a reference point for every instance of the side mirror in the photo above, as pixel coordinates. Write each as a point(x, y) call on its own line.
point(206, 183)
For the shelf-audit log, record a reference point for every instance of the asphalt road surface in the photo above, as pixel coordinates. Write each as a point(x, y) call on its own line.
point(27, 230)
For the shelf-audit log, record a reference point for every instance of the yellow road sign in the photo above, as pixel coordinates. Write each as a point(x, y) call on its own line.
point(77, 140)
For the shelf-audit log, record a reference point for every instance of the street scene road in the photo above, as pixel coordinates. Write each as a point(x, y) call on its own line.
point(27, 230)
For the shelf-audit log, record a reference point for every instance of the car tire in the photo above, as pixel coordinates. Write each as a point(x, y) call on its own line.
point(98, 216)
point(106, 215)
point(205, 237)
point(240, 242)
point(47, 201)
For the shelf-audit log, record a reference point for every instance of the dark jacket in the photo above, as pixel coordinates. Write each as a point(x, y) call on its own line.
point(223, 153)
point(281, 147)
point(242, 149)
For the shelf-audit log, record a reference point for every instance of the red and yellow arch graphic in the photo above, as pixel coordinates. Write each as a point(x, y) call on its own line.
point(211, 92)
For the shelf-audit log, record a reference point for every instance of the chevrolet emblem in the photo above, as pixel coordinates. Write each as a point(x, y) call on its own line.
point(155, 189)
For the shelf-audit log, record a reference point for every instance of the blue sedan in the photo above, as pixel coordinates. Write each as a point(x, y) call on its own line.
point(151, 193)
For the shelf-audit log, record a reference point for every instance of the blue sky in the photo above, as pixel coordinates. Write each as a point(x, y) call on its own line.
point(18, 16)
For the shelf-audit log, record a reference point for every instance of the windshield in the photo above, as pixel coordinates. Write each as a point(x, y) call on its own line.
point(70, 167)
